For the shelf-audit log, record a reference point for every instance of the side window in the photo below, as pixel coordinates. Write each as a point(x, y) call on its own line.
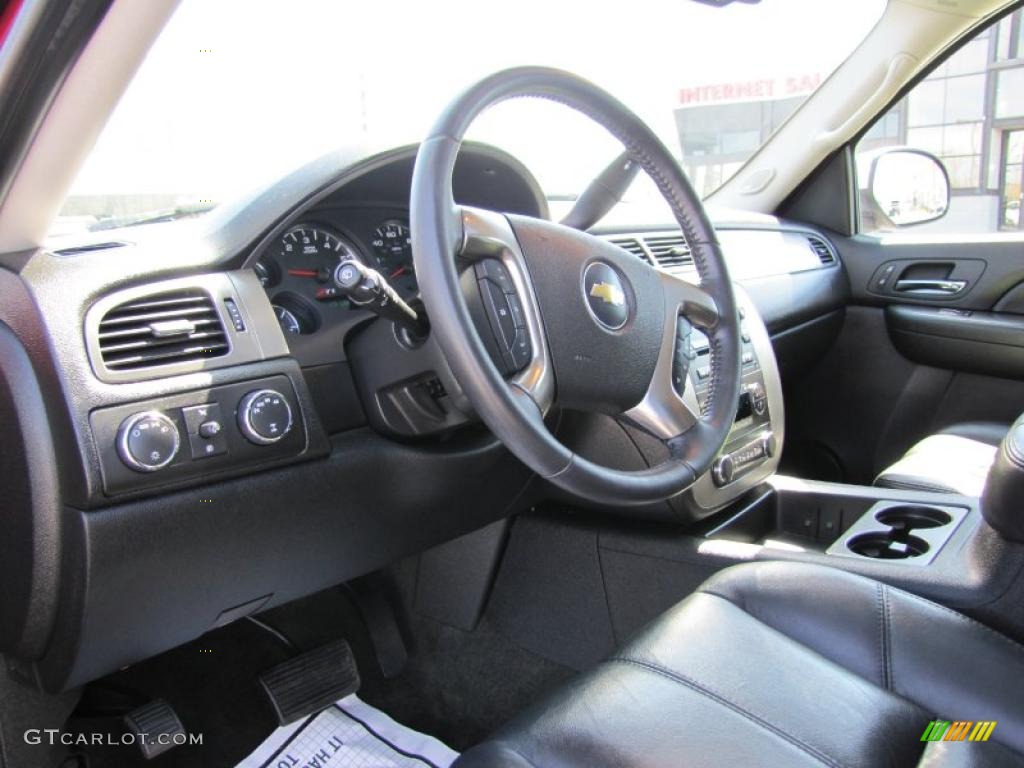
point(969, 113)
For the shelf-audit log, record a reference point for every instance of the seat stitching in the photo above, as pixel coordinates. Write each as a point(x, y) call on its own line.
point(513, 750)
point(904, 594)
point(880, 614)
point(883, 591)
point(964, 619)
point(718, 698)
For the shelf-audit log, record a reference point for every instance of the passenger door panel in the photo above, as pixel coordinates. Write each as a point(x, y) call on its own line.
point(908, 363)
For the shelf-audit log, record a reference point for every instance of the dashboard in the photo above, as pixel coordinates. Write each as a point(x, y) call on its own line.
point(202, 430)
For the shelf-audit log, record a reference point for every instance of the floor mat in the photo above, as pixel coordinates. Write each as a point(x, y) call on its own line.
point(348, 734)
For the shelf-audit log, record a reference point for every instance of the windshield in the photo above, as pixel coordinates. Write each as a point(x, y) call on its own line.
point(236, 93)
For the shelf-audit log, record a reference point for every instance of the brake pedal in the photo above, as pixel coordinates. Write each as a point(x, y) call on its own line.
point(156, 728)
point(311, 682)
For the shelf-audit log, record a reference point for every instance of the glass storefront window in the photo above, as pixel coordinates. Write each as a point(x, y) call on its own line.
point(964, 172)
point(972, 58)
point(1010, 93)
point(1004, 33)
point(928, 139)
point(926, 103)
point(965, 99)
point(962, 139)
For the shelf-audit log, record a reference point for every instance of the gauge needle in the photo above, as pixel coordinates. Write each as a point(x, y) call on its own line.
point(303, 272)
point(397, 273)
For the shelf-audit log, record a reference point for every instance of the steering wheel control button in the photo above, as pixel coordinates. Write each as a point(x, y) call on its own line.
point(148, 441)
point(604, 292)
point(516, 307)
point(505, 314)
point(495, 271)
point(521, 351)
point(500, 313)
point(264, 416)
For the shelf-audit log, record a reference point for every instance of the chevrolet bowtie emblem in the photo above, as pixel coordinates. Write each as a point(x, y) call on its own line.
point(610, 294)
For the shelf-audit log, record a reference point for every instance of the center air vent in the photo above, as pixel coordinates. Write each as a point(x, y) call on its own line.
point(822, 249)
point(632, 245)
point(666, 249)
point(174, 327)
point(670, 251)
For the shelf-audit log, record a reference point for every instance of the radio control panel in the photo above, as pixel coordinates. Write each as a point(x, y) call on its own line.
point(751, 450)
point(193, 434)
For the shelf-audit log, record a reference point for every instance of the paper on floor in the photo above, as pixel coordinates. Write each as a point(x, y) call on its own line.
point(348, 734)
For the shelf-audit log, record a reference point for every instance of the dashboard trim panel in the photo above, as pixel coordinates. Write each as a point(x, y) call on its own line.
point(261, 339)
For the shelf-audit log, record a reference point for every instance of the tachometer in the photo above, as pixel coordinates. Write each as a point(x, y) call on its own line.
point(393, 248)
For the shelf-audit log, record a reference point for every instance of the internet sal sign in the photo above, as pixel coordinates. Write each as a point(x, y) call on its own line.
point(763, 89)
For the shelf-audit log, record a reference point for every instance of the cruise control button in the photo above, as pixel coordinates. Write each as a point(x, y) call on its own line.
point(494, 270)
point(496, 303)
point(516, 307)
point(521, 350)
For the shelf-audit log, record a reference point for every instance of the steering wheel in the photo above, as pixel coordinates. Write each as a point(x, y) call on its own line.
point(600, 325)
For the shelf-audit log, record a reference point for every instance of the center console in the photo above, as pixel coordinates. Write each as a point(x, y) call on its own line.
point(751, 451)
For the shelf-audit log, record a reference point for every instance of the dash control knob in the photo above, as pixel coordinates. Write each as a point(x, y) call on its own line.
point(723, 470)
point(264, 416)
point(148, 441)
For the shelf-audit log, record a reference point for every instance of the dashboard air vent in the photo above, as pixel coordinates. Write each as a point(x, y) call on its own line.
point(822, 249)
point(173, 327)
point(632, 245)
point(75, 250)
point(670, 251)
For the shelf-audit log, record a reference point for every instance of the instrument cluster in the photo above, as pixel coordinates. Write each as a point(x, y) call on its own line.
point(296, 269)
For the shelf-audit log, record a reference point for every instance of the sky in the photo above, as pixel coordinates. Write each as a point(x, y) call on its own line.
point(236, 93)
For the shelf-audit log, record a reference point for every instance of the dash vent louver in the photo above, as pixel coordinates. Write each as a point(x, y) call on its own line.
point(172, 327)
point(822, 249)
point(670, 251)
point(666, 249)
point(632, 245)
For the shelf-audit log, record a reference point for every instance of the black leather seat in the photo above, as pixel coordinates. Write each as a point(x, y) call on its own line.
point(782, 664)
point(955, 460)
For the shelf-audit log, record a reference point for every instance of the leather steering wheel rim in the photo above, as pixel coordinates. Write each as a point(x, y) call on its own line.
point(443, 231)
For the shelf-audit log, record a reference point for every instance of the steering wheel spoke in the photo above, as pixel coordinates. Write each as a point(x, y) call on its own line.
point(669, 410)
point(488, 235)
point(691, 301)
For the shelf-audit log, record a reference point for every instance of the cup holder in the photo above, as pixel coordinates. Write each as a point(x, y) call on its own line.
point(909, 517)
point(884, 546)
point(900, 532)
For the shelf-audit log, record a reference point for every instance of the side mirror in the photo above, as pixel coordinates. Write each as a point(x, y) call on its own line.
point(908, 186)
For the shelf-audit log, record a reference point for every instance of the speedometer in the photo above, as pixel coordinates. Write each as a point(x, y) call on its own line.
point(312, 252)
point(393, 247)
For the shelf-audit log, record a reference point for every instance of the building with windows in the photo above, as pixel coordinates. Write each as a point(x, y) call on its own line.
point(969, 112)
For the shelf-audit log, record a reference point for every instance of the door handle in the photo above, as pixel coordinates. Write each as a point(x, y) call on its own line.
point(931, 287)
